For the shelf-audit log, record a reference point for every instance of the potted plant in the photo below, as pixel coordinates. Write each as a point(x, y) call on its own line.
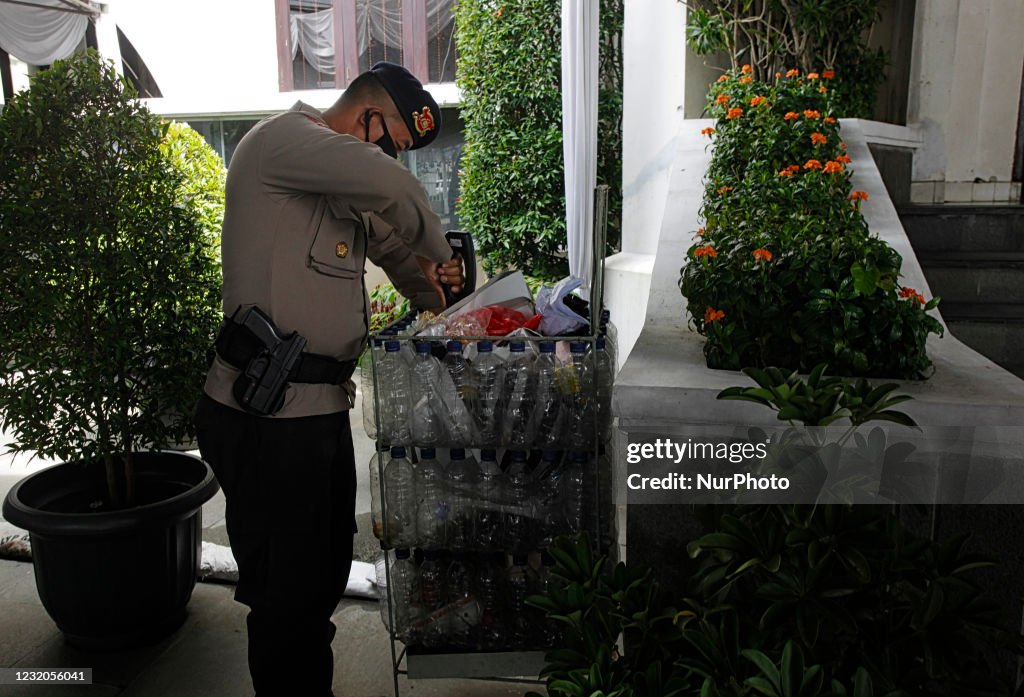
point(110, 298)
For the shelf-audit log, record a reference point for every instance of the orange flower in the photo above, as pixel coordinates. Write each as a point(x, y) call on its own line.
point(762, 255)
point(497, 13)
point(700, 231)
point(792, 73)
point(906, 292)
point(722, 78)
point(746, 69)
point(734, 113)
point(705, 251)
point(713, 315)
point(707, 131)
point(791, 116)
point(778, 75)
point(786, 172)
point(812, 76)
point(859, 196)
point(794, 168)
point(845, 159)
point(819, 138)
point(832, 166)
point(722, 99)
point(811, 114)
point(829, 119)
point(828, 74)
point(725, 190)
point(842, 146)
point(746, 80)
point(812, 164)
point(822, 89)
point(757, 100)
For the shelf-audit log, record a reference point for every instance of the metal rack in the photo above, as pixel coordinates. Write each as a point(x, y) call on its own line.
point(518, 666)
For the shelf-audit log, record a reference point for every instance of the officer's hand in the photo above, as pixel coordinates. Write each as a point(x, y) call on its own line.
point(449, 273)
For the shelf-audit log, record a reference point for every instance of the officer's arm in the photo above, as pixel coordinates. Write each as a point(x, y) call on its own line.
point(387, 250)
point(307, 157)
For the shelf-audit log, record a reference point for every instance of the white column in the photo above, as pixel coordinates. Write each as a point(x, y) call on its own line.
point(106, 34)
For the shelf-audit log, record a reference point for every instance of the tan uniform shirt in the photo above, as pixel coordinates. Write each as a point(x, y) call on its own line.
point(305, 207)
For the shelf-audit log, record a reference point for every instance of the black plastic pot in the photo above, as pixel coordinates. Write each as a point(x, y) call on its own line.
point(115, 579)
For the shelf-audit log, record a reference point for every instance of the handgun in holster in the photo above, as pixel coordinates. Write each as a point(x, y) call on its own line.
point(261, 386)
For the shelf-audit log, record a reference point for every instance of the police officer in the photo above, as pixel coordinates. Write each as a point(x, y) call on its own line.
point(310, 196)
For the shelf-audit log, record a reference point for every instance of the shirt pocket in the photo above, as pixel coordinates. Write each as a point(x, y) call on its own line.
point(339, 246)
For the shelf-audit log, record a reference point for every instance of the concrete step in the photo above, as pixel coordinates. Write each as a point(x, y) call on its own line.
point(1000, 342)
point(950, 228)
point(953, 311)
point(993, 281)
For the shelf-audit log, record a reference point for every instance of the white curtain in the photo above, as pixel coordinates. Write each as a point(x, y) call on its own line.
point(579, 130)
point(381, 20)
point(39, 36)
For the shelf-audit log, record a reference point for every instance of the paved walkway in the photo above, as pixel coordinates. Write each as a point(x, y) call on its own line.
point(207, 656)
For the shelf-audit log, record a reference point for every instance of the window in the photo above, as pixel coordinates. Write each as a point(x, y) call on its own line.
point(223, 135)
point(327, 43)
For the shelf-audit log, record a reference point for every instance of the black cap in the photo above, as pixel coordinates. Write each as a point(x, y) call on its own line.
point(418, 109)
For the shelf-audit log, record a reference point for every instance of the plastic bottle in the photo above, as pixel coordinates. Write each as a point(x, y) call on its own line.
point(461, 473)
point(520, 523)
point(393, 382)
point(373, 353)
point(550, 506)
point(575, 495)
point(462, 607)
point(432, 510)
point(578, 385)
point(399, 500)
point(550, 634)
point(491, 594)
point(376, 509)
point(611, 335)
point(427, 429)
point(485, 400)
point(604, 381)
point(431, 625)
point(547, 412)
point(520, 397)
point(460, 420)
point(520, 625)
point(400, 598)
point(491, 495)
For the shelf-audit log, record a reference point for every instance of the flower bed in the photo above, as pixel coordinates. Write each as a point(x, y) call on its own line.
point(785, 271)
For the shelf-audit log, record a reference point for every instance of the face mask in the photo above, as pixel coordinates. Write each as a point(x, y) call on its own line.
point(384, 142)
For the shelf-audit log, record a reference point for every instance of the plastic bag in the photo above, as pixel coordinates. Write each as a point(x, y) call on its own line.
point(556, 317)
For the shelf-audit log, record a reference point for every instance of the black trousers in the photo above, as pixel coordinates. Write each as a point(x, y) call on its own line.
point(289, 487)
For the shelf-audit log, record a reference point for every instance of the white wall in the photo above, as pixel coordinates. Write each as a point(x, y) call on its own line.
point(965, 90)
point(653, 76)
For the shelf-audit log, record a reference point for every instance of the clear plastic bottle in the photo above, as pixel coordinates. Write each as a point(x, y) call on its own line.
point(432, 596)
point(550, 509)
point(575, 496)
point(491, 594)
point(491, 495)
point(578, 384)
point(373, 353)
point(520, 523)
point(433, 506)
point(376, 509)
point(611, 335)
point(485, 400)
point(427, 428)
point(520, 396)
point(393, 383)
point(520, 625)
point(400, 600)
point(462, 607)
point(460, 420)
point(399, 500)
point(461, 472)
point(550, 630)
point(547, 413)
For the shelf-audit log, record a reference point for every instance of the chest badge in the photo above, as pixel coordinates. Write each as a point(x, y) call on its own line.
point(341, 250)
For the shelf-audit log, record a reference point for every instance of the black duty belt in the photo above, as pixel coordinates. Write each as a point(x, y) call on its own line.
point(237, 345)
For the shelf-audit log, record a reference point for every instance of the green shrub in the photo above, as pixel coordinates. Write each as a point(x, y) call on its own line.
point(785, 271)
point(771, 34)
point(109, 274)
point(202, 175)
point(512, 178)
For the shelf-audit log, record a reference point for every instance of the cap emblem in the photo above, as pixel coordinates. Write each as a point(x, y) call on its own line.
point(424, 121)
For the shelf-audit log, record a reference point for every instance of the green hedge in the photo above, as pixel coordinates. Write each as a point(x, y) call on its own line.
point(512, 179)
point(785, 271)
